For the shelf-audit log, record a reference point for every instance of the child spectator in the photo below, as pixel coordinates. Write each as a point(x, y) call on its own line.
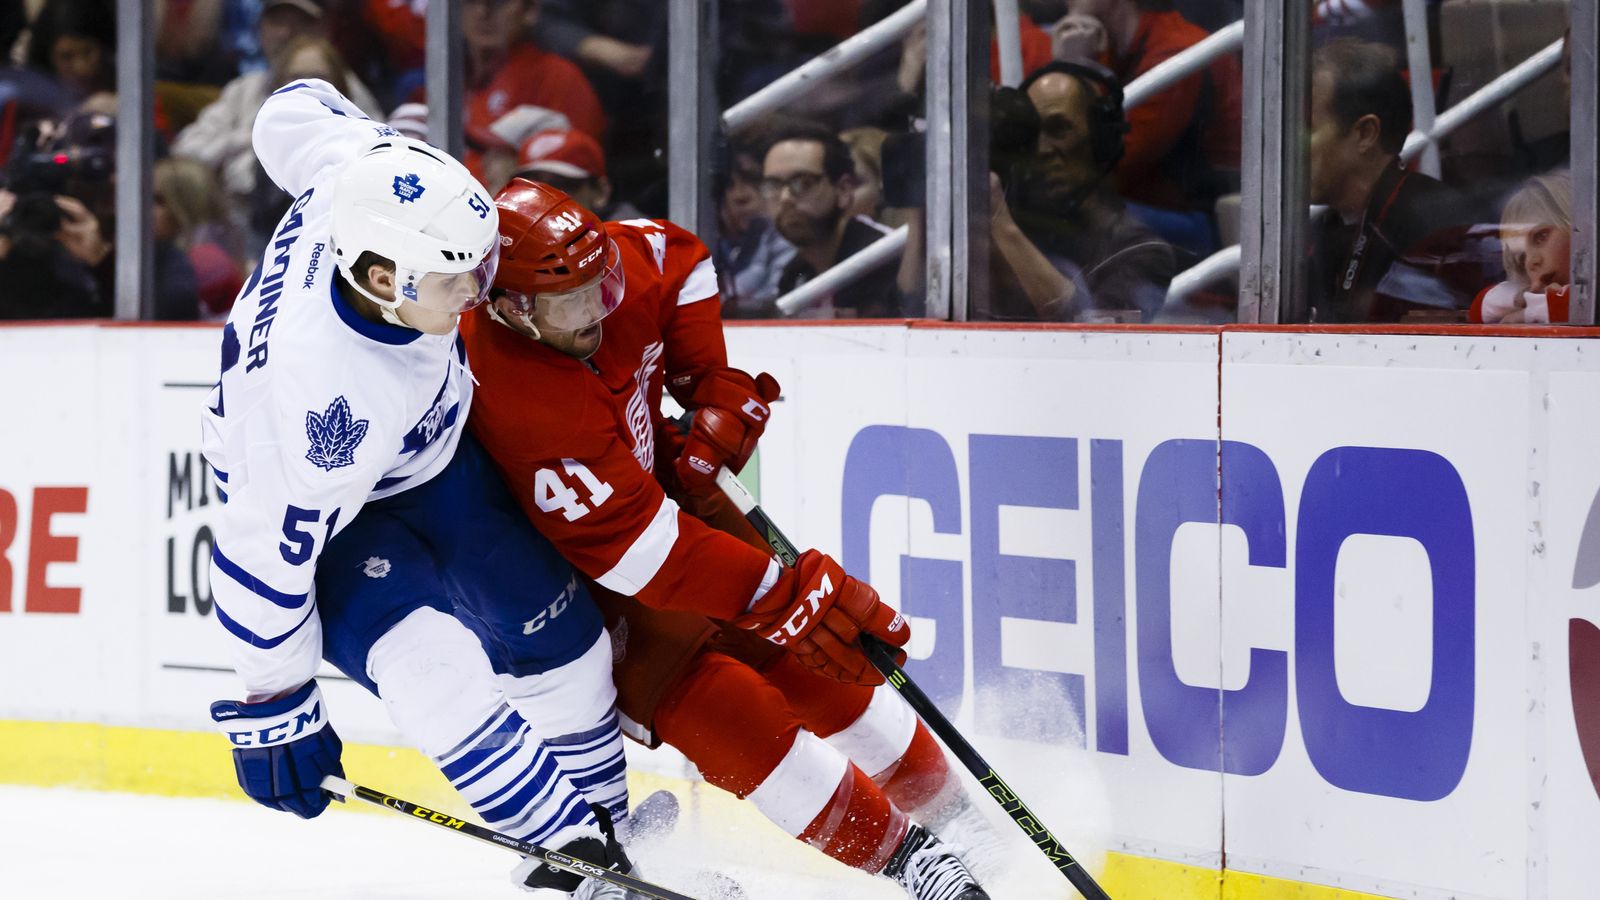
point(1536, 233)
point(305, 57)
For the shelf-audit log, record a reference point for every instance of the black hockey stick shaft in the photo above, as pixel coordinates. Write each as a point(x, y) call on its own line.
point(883, 659)
point(339, 787)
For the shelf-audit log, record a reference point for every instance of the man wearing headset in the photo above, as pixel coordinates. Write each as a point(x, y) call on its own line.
point(1065, 243)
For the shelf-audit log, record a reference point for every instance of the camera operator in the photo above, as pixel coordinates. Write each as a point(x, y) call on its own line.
point(48, 247)
point(56, 215)
point(1059, 203)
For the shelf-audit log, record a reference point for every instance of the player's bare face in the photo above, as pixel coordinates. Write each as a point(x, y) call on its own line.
point(580, 344)
point(427, 321)
point(568, 321)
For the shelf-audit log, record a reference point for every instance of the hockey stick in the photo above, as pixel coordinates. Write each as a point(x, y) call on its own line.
point(883, 659)
point(339, 787)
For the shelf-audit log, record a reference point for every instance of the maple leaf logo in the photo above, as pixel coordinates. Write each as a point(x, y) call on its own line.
point(334, 435)
point(408, 188)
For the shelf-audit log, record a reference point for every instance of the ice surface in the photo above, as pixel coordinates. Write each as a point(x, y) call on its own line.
point(58, 844)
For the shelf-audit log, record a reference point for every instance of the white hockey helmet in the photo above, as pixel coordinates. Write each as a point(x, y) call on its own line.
point(415, 205)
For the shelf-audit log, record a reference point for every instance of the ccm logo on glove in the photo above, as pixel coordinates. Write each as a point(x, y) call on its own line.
point(819, 613)
point(756, 410)
point(307, 718)
point(282, 749)
point(802, 614)
point(730, 412)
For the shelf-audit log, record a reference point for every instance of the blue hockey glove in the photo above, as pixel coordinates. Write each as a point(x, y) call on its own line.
point(282, 749)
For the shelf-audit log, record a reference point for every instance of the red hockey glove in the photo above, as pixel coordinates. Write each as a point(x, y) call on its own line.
point(818, 612)
point(730, 412)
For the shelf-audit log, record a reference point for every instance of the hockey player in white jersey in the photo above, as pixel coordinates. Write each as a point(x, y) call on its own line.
point(361, 525)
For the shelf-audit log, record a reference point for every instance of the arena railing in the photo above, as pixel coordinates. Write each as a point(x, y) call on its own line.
point(849, 52)
point(1501, 89)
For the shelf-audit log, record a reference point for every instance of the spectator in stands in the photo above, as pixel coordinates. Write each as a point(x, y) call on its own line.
point(507, 72)
point(401, 27)
point(220, 137)
point(749, 254)
point(1183, 143)
point(866, 151)
point(1065, 246)
point(1536, 234)
point(75, 41)
point(188, 35)
point(49, 246)
point(621, 47)
point(808, 180)
point(60, 259)
point(188, 211)
point(1033, 41)
point(1385, 246)
point(572, 162)
point(306, 57)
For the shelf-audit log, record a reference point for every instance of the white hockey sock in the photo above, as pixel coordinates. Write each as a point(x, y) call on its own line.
point(517, 783)
point(572, 710)
point(441, 693)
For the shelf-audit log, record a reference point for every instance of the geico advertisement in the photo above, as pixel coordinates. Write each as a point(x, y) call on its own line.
point(1322, 624)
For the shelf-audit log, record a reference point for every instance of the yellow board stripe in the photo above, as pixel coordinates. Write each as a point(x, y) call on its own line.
point(95, 757)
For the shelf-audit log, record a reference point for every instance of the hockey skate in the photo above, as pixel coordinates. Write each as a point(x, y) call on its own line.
point(930, 870)
point(552, 883)
point(963, 827)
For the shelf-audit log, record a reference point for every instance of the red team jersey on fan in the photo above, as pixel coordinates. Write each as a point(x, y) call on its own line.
point(576, 439)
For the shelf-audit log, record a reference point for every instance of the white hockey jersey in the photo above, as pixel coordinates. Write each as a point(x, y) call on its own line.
point(317, 410)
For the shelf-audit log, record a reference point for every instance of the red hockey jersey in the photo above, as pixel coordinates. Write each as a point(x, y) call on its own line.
point(576, 439)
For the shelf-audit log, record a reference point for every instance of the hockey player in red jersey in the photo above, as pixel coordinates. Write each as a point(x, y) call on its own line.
point(574, 423)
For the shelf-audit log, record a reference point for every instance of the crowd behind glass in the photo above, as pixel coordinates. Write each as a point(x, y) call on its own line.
point(1095, 205)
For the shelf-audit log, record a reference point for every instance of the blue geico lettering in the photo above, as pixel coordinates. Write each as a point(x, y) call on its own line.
point(889, 461)
point(1179, 485)
point(1416, 494)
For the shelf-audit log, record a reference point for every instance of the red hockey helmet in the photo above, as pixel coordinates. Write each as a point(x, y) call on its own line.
point(558, 267)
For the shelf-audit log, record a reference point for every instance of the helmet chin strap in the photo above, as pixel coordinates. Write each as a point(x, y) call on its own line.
point(494, 313)
point(386, 308)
